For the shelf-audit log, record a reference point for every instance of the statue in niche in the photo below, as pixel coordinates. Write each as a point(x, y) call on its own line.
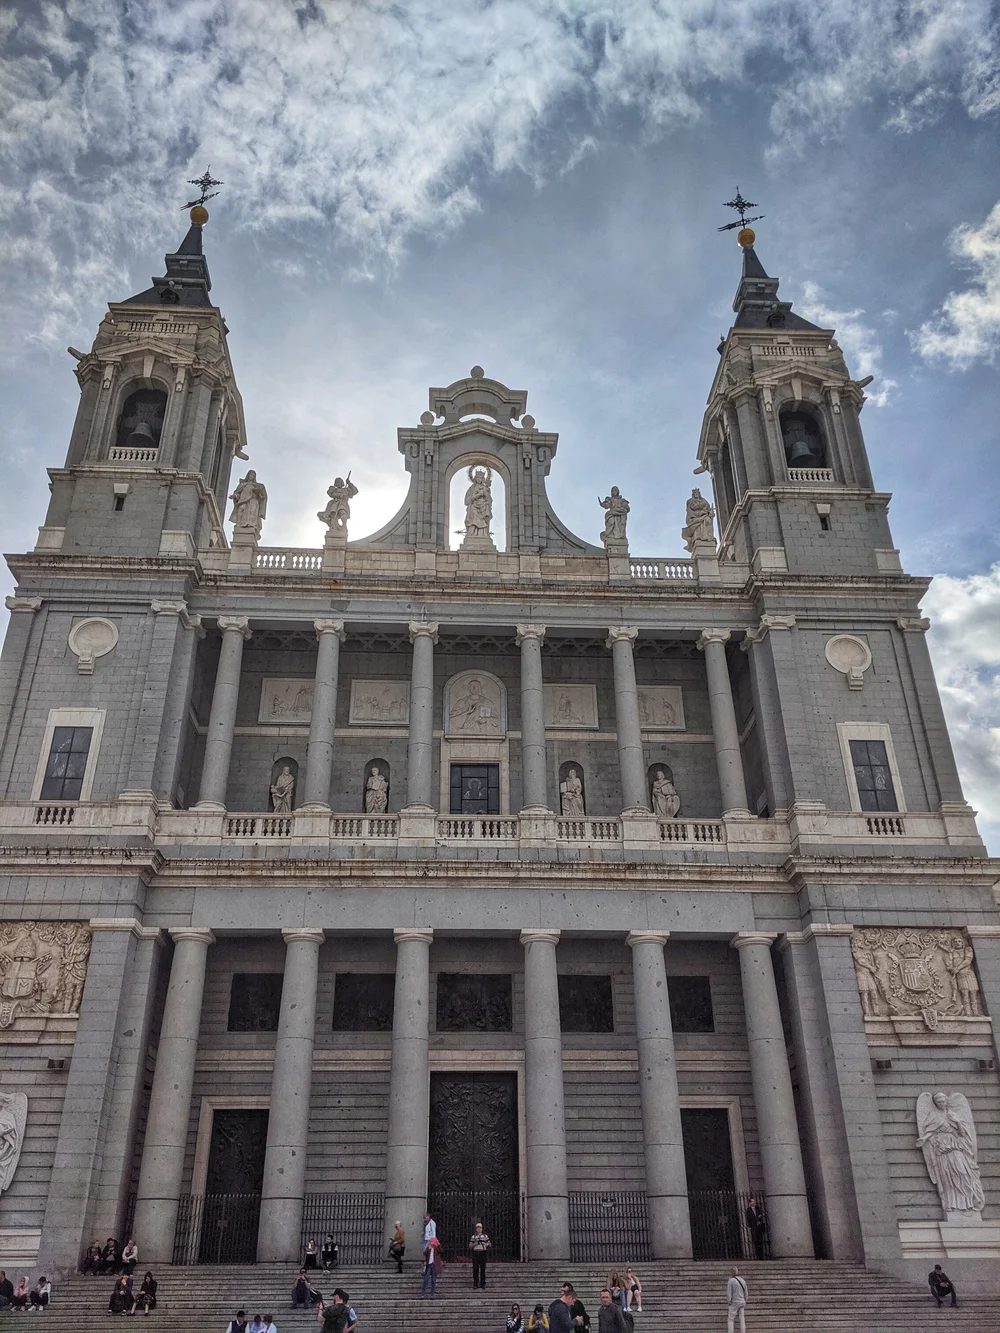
point(947, 1137)
point(666, 801)
point(249, 504)
point(338, 509)
point(698, 522)
point(571, 791)
point(616, 509)
point(13, 1116)
point(376, 792)
point(282, 791)
point(959, 964)
point(473, 711)
point(479, 506)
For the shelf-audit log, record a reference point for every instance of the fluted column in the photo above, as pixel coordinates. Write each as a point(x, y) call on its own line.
point(533, 768)
point(283, 1190)
point(544, 1098)
point(222, 719)
point(165, 1142)
point(420, 751)
point(323, 721)
point(788, 1222)
point(630, 756)
point(663, 1142)
point(727, 737)
point(409, 1090)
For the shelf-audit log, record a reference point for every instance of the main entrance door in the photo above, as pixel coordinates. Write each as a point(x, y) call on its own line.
point(473, 1162)
point(714, 1204)
point(231, 1210)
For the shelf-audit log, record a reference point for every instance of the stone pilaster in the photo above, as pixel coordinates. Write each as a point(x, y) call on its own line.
point(323, 721)
point(222, 719)
point(533, 765)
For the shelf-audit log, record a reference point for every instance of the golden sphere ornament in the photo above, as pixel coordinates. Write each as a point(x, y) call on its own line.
point(746, 237)
point(199, 216)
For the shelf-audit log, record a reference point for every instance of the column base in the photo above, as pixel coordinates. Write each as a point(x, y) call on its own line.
point(313, 808)
point(212, 807)
point(279, 1237)
point(669, 1218)
point(788, 1226)
point(534, 810)
point(548, 1227)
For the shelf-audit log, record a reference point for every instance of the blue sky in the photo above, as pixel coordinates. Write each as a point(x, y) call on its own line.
point(533, 186)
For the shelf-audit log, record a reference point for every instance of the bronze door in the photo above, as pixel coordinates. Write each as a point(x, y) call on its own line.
point(231, 1210)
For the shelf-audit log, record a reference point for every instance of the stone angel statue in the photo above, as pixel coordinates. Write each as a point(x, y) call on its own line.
point(13, 1115)
point(249, 504)
point(338, 509)
point(947, 1136)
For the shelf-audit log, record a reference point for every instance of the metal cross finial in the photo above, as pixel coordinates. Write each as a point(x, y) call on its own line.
point(204, 184)
point(742, 207)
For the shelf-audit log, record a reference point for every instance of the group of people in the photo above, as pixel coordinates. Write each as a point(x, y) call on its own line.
point(260, 1323)
point(127, 1299)
point(111, 1257)
point(568, 1314)
point(329, 1255)
point(24, 1296)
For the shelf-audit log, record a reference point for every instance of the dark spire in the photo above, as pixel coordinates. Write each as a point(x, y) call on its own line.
point(186, 281)
point(756, 303)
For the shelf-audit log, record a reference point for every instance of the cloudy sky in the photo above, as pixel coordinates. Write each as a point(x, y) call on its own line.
point(534, 186)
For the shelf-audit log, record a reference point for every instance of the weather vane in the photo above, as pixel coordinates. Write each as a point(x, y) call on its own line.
point(741, 205)
point(204, 184)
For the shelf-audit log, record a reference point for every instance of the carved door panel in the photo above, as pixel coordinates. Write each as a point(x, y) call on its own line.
point(232, 1187)
point(715, 1208)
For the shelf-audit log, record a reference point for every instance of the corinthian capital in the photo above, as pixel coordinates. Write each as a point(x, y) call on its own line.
point(235, 625)
point(713, 636)
point(621, 634)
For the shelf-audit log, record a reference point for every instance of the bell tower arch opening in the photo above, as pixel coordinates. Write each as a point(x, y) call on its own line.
point(802, 439)
point(140, 422)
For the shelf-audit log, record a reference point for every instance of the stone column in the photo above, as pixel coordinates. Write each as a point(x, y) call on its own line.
point(222, 719)
point(163, 1150)
point(178, 700)
point(409, 1088)
point(727, 738)
point(630, 756)
point(788, 1223)
point(544, 1097)
point(534, 775)
point(322, 723)
point(663, 1142)
point(279, 1236)
point(420, 750)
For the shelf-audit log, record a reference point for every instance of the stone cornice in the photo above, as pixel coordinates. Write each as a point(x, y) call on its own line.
point(803, 871)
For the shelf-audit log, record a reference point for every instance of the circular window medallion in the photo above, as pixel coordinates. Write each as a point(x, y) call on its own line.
point(90, 639)
point(851, 656)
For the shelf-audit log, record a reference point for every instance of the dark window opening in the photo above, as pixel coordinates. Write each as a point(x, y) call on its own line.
point(469, 1003)
point(67, 763)
point(363, 1001)
point(475, 789)
point(803, 442)
point(873, 775)
point(255, 1002)
point(141, 422)
point(119, 503)
point(585, 1004)
point(824, 522)
point(691, 1004)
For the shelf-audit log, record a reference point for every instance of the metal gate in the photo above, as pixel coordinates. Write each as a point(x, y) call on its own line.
point(355, 1221)
point(720, 1229)
point(608, 1226)
point(456, 1213)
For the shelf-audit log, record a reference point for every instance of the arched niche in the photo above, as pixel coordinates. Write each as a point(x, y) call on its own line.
point(664, 798)
point(284, 785)
point(459, 482)
point(140, 419)
point(572, 790)
point(375, 788)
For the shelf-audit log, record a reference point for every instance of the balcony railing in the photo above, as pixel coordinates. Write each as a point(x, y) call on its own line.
point(291, 558)
point(816, 476)
point(649, 567)
point(123, 453)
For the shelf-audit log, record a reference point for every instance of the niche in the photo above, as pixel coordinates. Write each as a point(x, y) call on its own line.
point(802, 439)
point(477, 496)
point(572, 791)
point(141, 422)
point(375, 787)
point(284, 783)
point(663, 795)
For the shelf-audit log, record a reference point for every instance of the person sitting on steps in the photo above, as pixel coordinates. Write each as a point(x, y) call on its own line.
point(941, 1285)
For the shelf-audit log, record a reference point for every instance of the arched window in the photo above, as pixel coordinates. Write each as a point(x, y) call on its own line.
point(375, 787)
point(284, 781)
point(803, 440)
point(477, 497)
point(141, 421)
point(572, 791)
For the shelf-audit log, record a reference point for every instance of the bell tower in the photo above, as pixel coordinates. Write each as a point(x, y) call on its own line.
point(782, 439)
point(159, 421)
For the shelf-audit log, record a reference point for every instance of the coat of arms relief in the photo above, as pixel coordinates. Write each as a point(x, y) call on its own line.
point(918, 987)
point(43, 966)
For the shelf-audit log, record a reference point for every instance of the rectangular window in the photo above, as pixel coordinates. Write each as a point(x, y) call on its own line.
point(475, 789)
point(870, 761)
point(691, 1004)
point(255, 1002)
point(66, 766)
point(586, 1004)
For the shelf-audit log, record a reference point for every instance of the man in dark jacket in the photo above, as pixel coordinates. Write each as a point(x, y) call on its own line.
point(6, 1291)
point(577, 1311)
point(941, 1285)
point(610, 1317)
point(560, 1318)
point(757, 1226)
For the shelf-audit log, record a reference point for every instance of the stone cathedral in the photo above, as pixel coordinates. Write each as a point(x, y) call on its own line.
point(535, 881)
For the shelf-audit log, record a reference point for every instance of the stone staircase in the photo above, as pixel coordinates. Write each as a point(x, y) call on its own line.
point(793, 1296)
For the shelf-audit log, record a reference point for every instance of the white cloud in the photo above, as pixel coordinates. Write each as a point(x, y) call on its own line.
point(965, 644)
point(859, 341)
point(381, 119)
point(967, 327)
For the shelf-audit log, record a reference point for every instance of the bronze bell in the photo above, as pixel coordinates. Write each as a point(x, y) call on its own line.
point(141, 437)
point(801, 454)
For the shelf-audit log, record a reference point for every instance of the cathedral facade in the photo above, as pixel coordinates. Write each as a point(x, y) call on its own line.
point(584, 893)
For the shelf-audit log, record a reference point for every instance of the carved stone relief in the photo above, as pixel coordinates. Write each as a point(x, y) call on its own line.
point(919, 985)
point(571, 706)
point(13, 1117)
point(475, 705)
point(946, 1134)
point(286, 701)
point(43, 965)
point(380, 703)
point(90, 639)
point(850, 656)
point(661, 708)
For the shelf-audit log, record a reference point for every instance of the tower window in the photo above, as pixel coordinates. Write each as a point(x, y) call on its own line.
point(66, 765)
point(141, 422)
point(803, 442)
point(873, 775)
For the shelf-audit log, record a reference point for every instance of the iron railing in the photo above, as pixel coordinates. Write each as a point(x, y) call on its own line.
point(217, 1229)
point(456, 1213)
point(719, 1226)
point(355, 1221)
point(609, 1226)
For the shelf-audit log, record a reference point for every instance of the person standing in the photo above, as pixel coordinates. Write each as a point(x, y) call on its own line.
point(941, 1285)
point(610, 1317)
point(560, 1318)
point(480, 1246)
point(397, 1246)
point(335, 1318)
point(577, 1311)
point(737, 1295)
point(430, 1229)
point(757, 1226)
point(430, 1268)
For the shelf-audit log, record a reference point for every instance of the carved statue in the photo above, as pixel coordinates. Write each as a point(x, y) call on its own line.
point(698, 522)
point(282, 791)
point(473, 711)
point(479, 504)
point(376, 793)
point(249, 504)
point(13, 1115)
point(338, 509)
point(571, 791)
point(906, 973)
point(43, 965)
point(616, 517)
point(947, 1136)
point(666, 801)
